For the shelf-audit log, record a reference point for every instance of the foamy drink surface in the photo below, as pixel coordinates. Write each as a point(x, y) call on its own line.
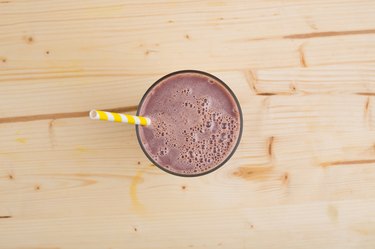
point(195, 123)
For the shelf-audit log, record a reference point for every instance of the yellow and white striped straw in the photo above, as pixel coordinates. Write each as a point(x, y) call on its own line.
point(117, 117)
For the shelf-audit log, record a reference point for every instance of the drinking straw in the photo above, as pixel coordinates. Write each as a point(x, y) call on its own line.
point(117, 117)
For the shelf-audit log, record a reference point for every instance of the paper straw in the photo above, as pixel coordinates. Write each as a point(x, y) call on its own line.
point(117, 117)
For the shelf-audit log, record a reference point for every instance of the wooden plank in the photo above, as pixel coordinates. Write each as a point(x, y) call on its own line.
point(161, 37)
point(74, 93)
point(110, 231)
point(331, 80)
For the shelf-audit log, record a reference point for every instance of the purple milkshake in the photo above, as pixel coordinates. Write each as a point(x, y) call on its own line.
point(196, 123)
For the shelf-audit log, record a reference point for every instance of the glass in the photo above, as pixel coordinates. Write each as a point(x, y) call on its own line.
point(233, 98)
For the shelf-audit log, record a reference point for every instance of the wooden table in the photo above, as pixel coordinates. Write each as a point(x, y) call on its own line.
point(302, 177)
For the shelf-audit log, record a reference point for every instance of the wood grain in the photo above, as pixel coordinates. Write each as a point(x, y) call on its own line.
point(302, 177)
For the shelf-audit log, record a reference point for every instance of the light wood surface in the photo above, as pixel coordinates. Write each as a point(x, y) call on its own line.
point(302, 177)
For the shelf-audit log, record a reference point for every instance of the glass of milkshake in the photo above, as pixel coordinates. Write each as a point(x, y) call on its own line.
point(196, 123)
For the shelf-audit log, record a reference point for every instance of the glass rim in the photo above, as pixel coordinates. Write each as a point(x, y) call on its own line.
point(235, 100)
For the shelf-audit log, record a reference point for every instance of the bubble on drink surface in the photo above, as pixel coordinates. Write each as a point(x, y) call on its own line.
point(186, 91)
